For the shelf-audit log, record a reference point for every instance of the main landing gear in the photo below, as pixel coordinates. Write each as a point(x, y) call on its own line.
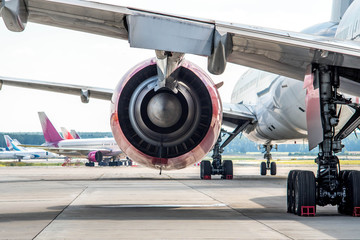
point(268, 165)
point(217, 167)
point(331, 185)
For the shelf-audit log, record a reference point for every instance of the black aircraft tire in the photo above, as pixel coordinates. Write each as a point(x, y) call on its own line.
point(293, 189)
point(228, 168)
point(290, 189)
point(343, 176)
point(273, 168)
point(263, 168)
point(305, 191)
point(353, 192)
point(202, 170)
point(205, 169)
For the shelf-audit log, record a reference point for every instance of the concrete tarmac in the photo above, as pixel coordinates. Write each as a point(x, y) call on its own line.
point(138, 203)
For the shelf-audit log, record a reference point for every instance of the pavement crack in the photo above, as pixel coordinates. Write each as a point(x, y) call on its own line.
point(60, 212)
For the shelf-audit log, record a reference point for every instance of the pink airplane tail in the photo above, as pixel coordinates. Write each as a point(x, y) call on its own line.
point(50, 133)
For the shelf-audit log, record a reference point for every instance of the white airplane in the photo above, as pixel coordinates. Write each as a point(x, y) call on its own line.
point(20, 153)
point(166, 112)
point(94, 149)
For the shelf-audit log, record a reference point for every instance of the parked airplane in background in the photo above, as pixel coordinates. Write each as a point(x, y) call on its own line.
point(69, 135)
point(13, 144)
point(94, 149)
point(8, 147)
point(17, 152)
point(166, 112)
point(66, 134)
point(74, 134)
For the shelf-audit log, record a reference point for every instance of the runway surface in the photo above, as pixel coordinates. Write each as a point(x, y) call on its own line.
point(138, 203)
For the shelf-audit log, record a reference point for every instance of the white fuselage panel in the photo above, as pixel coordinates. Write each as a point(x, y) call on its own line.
point(278, 103)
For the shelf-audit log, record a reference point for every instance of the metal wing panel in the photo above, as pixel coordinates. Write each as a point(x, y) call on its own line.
point(97, 18)
point(279, 52)
point(237, 117)
point(92, 92)
point(287, 53)
point(169, 33)
point(233, 112)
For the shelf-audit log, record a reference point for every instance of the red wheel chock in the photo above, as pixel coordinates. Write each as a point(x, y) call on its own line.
point(229, 176)
point(356, 212)
point(207, 177)
point(307, 210)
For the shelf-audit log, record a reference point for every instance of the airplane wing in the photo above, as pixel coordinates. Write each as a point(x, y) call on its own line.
point(85, 92)
point(236, 117)
point(281, 52)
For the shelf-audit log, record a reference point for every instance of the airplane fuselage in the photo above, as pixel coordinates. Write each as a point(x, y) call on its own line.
point(29, 154)
point(85, 145)
point(278, 103)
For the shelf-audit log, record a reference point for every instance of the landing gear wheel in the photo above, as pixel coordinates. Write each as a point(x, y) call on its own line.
point(90, 164)
point(228, 169)
point(263, 168)
point(343, 176)
point(205, 169)
point(273, 168)
point(305, 191)
point(352, 198)
point(290, 190)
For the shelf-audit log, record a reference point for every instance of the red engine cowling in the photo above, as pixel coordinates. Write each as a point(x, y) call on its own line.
point(95, 156)
point(162, 128)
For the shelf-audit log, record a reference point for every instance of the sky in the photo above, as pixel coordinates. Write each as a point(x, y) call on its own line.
point(59, 55)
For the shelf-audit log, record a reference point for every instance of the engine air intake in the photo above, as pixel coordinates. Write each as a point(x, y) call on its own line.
point(161, 123)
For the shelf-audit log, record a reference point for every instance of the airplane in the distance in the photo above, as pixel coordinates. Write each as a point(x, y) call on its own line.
point(94, 149)
point(66, 134)
point(20, 153)
point(166, 112)
point(74, 134)
point(69, 135)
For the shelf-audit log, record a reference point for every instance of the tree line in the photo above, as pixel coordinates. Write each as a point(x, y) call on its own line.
point(237, 146)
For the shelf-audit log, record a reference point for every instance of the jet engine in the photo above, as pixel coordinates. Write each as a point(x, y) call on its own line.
point(164, 128)
point(95, 156)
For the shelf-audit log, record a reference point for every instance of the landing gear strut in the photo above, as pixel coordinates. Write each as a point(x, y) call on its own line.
point(217, 167)
point(331, 186)
point(268, 165)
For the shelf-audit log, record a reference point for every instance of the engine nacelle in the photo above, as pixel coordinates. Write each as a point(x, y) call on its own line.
point(162, 128)
point(95, 156)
